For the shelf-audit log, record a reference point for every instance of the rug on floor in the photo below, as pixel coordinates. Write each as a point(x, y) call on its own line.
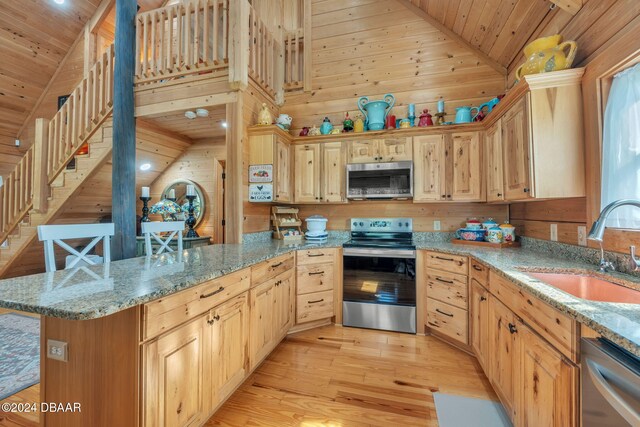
point(459, 411)
point(19, 353)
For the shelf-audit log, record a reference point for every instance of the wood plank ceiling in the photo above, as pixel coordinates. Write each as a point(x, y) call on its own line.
point(198, 128)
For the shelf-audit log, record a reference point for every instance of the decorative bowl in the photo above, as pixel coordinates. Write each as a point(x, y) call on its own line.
point(471, 235)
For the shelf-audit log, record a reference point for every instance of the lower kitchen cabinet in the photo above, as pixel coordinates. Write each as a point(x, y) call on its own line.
point(479, 298)
point(315, 280)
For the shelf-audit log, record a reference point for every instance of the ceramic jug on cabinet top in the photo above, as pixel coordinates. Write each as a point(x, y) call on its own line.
point(375, 112)
point(547, 54)
point(463, 114)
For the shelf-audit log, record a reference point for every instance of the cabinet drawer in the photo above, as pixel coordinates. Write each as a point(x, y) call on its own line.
point(271, 268)
point(555, 327)
point(314, 278)
point(453, 263)
point(479, 272)
point(316, 256)
point(314, 306)
point(448, 320)
point(166, 313)
point(447, 287)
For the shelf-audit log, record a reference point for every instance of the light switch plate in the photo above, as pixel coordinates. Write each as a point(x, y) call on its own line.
point(57, 350)
point(582, 235)
point(437, 226)
point(554, 232)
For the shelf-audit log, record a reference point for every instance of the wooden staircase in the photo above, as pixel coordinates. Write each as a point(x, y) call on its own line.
point(40, 186)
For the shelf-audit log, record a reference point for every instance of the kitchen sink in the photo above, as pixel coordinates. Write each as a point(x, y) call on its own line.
point(589, 287)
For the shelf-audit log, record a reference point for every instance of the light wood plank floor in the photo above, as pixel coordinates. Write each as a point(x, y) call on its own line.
point(339, 377)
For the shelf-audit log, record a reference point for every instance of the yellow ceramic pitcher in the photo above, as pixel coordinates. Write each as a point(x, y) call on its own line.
point(547, 54)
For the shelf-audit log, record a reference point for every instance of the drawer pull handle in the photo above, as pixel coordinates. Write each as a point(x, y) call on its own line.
point(512, 328)
point(313, 273)
point(477, 267)
point(210, 294)
point(442, 312)
point(276, 265)
point(316, 301)
point(483, 298)
point(315, 255)
point(444, 281)
point(444, 259)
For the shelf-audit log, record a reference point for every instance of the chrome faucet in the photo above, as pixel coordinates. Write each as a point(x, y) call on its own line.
point(597, 232)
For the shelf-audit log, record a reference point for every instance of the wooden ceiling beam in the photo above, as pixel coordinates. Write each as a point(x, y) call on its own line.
point(435, 23)
point(571, 6)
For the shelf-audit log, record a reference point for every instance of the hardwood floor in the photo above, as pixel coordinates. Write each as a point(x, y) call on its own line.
point(333, 376)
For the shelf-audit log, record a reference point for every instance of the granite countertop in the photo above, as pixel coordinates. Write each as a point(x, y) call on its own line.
point(92, 292)
point(97, 291)
point(617, 322)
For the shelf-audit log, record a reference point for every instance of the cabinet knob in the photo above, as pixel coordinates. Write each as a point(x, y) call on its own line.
point(512, 328)
point(483, 298)
point(526, 190)
point(444, 195)
point(499, 194)
point(448, 196)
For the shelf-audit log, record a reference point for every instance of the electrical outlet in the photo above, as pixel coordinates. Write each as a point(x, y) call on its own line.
point(554, 232)
point(582, 235)
point(57, 350)
point(437, 226)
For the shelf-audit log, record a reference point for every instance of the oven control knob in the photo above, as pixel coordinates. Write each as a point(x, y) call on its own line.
point(399, 224)
point(361, 224)
point(406, 224)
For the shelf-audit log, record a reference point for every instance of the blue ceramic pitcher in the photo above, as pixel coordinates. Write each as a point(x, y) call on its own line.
point(376, 112)
point(463, 114)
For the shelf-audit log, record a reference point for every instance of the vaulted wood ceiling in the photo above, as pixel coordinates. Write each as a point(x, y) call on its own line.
point(198, 128)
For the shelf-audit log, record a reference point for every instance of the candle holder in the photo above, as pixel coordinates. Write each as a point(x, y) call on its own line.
point(440, 118)
point(145, 209)
point(191, 220)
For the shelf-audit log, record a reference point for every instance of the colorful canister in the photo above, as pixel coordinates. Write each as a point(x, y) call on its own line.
point(508, 232)
point(489, 223)
point(474, 224)
point(494, 235)
point(326, 126)
point(358, 124)
point(405, 124)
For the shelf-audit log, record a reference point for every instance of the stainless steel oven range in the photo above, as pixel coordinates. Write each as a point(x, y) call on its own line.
point(379, 278)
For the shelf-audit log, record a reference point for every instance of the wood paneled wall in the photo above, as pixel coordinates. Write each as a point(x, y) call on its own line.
point(200, 164)
point(369, 48)
point(534, 219)
point(451, 215)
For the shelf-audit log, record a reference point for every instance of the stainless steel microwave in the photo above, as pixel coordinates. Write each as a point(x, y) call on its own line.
point(393, 180)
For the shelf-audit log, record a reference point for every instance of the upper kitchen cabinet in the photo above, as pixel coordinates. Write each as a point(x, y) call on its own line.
point(270, 145)
point(493, 162)
point(448, 167)
point(333, 172)
point(542, 138)
point(380, 150)
point(307, 173)
point(319, 173)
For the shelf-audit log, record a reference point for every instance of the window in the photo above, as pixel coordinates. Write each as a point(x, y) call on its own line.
point(621, 148)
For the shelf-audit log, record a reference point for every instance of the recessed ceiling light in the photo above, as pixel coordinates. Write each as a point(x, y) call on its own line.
point(190, 115)
point(145, 166)
point(201, 112)
point(224, 124)
point(59, 1)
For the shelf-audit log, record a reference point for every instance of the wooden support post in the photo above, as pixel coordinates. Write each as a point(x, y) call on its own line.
point(90, 49)
point(233, 205)
point(238, 44)
point(308, 52)
point(278, 77)
point(123, 191)
point(40, 176)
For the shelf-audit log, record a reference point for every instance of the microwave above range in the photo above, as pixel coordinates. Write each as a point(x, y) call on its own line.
point(379, 181)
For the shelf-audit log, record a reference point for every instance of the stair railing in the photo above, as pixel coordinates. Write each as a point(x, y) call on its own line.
point(16, 194)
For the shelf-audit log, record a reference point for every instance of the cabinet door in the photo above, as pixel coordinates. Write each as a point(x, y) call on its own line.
point(333, 172)
point(228, 323)
point(429, 168)
point(515, 144)
point(466, 164)
point(173, 377)
point(480, 323)
point(261, 323)
point(307, 173)
point(363, 151)
point(503, 349)
point(547, 384)
point(284, 295)
point(283, 172)
point(395, 149)
point(493, 156)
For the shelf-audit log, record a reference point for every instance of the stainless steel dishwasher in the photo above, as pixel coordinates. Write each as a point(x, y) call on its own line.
point(610, 385)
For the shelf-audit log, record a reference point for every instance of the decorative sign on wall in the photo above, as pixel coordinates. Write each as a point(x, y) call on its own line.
point(261, 173)
point(260, 192)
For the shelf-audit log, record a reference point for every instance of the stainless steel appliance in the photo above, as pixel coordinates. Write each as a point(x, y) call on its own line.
point(379, 278)
point(380, 180)
point(610, 385)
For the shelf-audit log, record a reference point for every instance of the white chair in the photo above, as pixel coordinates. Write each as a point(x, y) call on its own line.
point(50, 234)
point(151, 229)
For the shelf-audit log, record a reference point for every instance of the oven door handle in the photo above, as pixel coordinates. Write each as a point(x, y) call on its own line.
point(381, 253)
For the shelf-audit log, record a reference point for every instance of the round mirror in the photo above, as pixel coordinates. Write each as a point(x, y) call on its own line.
point(178, 190)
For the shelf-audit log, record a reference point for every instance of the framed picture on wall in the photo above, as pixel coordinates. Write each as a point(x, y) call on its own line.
point(61, 100)
point(261, 173)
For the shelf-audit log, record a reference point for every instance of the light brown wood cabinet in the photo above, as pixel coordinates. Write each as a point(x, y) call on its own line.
point(479, 307)
point(516, 139)
point(271, 146)
point(448, 167)
point(493, 163)
point(315, 281)
point(284, 298)
point(307, 162)
point(380, 150)
point(333, 172)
